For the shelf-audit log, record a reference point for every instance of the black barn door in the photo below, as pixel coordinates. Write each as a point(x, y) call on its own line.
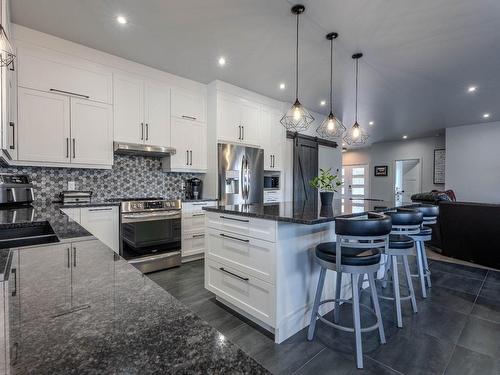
point(305, 168)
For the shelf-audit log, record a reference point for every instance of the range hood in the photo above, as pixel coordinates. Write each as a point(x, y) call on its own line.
point(122, 148)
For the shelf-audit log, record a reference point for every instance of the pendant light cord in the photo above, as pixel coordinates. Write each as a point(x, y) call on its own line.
point(297, 62)
point(331, 75)
point(356, 120)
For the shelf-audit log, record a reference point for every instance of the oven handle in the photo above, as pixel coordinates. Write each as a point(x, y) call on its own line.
point(135, 218)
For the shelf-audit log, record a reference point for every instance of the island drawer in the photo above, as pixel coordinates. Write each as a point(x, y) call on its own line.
point(247, 254)
point(246, 226)
point(250, 294)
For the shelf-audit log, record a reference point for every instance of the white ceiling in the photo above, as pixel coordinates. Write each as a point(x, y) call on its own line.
point(419, 56)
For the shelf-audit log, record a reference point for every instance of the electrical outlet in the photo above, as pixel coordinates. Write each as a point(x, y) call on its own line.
point(71, 185)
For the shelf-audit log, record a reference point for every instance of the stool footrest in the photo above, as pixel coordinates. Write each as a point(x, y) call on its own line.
point(348, 328)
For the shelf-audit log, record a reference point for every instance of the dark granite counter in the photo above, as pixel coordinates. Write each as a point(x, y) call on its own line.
point(305, 213)
point(99, 314)
point(89, 204)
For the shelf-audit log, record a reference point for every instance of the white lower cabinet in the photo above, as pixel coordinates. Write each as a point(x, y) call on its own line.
point(193, 228)
point(240, 263)
point(102, 222)
point(250, 294)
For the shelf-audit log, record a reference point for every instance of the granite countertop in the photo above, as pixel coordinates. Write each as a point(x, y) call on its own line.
point(199, 200)
point(305, 213)
point(102, 315)
point(93, 203)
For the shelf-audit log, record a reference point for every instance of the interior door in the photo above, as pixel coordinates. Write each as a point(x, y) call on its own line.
point(128, 109)
point(157, 127)
point(44, 126)
point(407, 179)
point(356, 182)
point(250, 122)
point(91, 132)
point(305, 168)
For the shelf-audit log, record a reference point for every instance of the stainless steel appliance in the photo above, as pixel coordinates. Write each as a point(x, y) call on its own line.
point(15, 189)
point(122, 148)
point(241, 171)
point(194, 188)
point(151, 233)
point(271, 182)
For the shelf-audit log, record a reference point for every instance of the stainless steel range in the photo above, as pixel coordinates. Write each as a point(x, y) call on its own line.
point(151, 233)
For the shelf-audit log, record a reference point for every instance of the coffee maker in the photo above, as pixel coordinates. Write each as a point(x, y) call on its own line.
point(194, 188)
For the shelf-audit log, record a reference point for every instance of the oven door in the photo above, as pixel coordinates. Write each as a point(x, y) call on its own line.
point(150, 233)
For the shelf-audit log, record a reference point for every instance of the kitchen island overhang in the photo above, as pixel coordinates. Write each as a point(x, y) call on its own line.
point(259, 259)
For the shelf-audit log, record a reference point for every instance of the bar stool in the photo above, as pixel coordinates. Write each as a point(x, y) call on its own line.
point(430, 213)
point(357, 251)
point(405, 222)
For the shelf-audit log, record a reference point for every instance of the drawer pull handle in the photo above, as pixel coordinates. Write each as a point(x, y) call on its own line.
point(231, 218)
point(198, 235)
point(233, 274)
point(101, 209)
point(199, 204)
point(70, 93)
point(189, 117)
point(198, 215)
point(234, 238)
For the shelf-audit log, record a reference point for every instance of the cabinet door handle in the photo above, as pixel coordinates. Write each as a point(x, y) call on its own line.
point(242, 132)
point(233, 274)
point(68, 256)
point(101, 209)
point(198, 235)
point(142, 131)
point(187, 157)
point(74, 256)
point(13, 126)
point(14, 272)
point(234, 238)
point(67, 147)
point(195, 215)
point(147, 131)
point(239, 132)
point(231, 218)
point(191, 157)
point(189, 117)
point(70, 93)
point(74, 148)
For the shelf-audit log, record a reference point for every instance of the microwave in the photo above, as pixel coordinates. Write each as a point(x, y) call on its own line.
point(271, 182)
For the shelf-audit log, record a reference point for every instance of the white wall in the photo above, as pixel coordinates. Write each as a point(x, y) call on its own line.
point(386, 153)
point(473, 162)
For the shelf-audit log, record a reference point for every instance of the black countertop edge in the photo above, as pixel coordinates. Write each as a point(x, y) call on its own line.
point(199, 200)
point(286, 212)
point(89, 204)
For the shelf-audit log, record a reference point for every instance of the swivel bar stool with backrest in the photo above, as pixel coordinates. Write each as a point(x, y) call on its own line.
point(357, 251)
point(405, 222)
point(430, 213)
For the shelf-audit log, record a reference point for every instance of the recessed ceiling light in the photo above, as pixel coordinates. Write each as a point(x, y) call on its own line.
point(371, 123)
point(486, 115)
point(322, 103)
point(343, 144)
point(405, 136)
point(222, 61)
point(472, 88)
point(282, 86)
point(121, 20)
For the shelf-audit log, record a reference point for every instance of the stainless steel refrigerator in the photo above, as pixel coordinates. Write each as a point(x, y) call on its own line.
point(241, 174)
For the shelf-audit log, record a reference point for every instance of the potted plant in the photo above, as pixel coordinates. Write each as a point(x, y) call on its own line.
point(327, 184)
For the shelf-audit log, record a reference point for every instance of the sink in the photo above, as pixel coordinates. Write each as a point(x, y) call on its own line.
point(26, 234)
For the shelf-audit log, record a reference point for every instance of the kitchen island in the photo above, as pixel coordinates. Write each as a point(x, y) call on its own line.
point(75, 306)
point(259, 259)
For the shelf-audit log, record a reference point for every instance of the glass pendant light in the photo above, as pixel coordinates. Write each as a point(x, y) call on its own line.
point(356, 135)
point(297, 118)
point(331, 126)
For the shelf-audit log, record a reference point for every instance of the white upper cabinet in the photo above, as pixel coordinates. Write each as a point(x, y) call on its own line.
point(157, 114)
point(51, 71)
point(57, 128)
point(239, 120)
point(128, 109)
point(189, 138)
point(91, 132)
point(189, 105)
point(141, 111)
point(273, 136)
point(44, 126)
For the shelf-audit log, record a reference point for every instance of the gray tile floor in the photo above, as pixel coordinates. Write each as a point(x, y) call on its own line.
point(456, 330)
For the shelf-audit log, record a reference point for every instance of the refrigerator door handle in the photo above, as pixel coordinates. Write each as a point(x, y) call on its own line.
point(242, 177)
point(248, 177)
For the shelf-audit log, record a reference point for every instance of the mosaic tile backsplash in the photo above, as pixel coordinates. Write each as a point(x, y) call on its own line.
point(131, 176)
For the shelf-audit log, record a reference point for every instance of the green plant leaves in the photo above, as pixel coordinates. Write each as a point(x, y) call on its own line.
point(326, 181)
